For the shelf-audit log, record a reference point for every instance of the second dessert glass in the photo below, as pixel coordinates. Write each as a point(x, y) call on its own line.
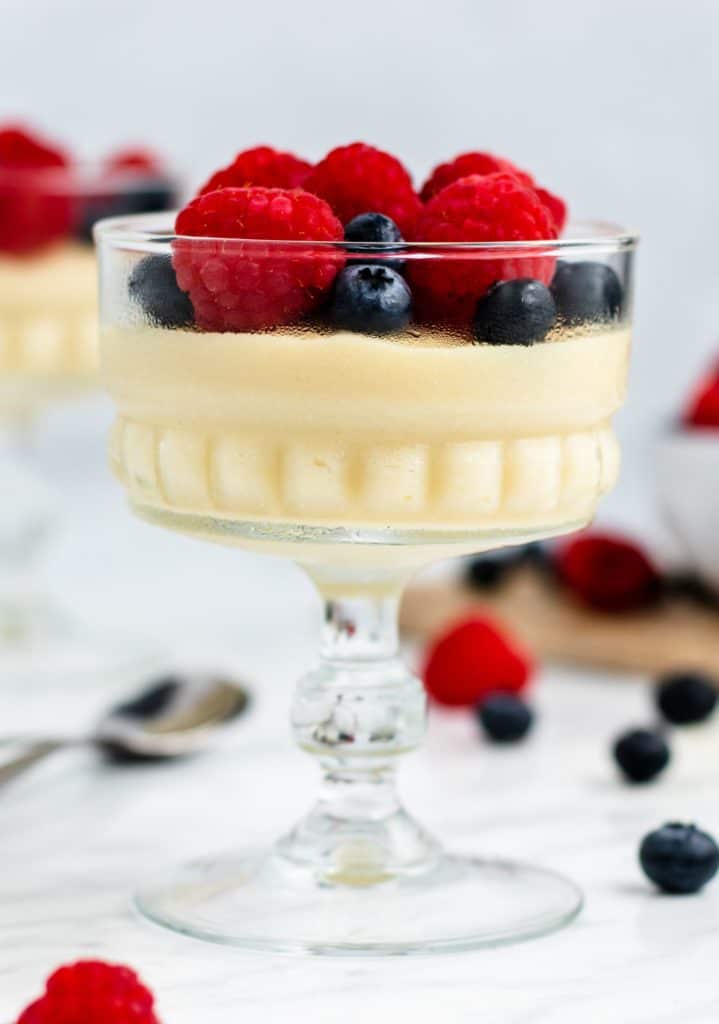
point(364, 457)
point(48, 354)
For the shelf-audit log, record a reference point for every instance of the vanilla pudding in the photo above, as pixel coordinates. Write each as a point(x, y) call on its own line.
point(418, 432)
point(48, 324)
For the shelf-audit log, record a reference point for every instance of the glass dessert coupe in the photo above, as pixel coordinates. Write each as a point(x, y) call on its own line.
point(48, 353)
point(363, 457)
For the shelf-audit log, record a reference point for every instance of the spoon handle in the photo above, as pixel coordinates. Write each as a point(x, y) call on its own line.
point(37, 752)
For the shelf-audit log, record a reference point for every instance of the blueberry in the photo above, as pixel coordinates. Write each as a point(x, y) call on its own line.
point(504, 717)
point(371, 299)
point(516, 312)
point(586, 291)
point(686, 697)
point(679, 858)
point(641, 754)
point(154, 287)
point(375, 227)
point(148, 195)
point(485, 572)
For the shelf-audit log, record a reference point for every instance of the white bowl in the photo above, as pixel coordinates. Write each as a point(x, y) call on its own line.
point(688, 482)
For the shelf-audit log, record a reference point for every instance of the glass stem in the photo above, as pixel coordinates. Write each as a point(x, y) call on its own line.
point(357, 711)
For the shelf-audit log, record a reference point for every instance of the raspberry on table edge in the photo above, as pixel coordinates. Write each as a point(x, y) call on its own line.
point(607, 572)
point(473, 658)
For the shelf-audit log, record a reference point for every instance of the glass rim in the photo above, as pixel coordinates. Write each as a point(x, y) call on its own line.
point(147, 230)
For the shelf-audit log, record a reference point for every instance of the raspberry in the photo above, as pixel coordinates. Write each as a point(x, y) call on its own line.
point(470, 163)
point(255, 285)
point(92, 992)
point(33, 210)
point(607, 572)
point(358, 179)
point(260, 166)
point(485, 163)
point(21, 150)
point(703, 409)
point(479, 208)
point(471, 660)
point(556, 206)
point(140, 161)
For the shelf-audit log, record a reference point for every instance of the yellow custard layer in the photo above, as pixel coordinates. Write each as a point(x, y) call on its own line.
point(346, 430)
point(48, 313)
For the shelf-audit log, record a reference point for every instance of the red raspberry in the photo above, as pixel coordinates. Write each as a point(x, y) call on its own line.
point(471, 660)
point(246, 286)
point(485, 163)
point(480, 208)
point(92, 992)
point(607, 572)
point(141, 161)
point(21, 150)
point(33, 209)
point(556, 206)
point(260, 166)
point(703, 409)
point(361, 179)
point(470, 163)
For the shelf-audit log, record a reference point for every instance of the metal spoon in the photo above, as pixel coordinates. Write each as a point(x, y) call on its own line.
point(175, 716)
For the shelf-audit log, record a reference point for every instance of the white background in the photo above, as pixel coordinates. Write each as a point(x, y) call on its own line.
point(612, 104)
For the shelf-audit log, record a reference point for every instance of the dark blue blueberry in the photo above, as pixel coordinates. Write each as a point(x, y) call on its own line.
point(686, 697)
point(486, 571)
point(371, 299)
point(147, 195)
point(375, 227)
point(586, 291)
point(154, 287)
point(517, 312)
point(504, 717)
point(679, 858)
point(641, 754)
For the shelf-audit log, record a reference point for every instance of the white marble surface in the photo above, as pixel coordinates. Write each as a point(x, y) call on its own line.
point(75, 837)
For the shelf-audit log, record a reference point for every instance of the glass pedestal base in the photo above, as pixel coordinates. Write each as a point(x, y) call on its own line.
point(266, 902)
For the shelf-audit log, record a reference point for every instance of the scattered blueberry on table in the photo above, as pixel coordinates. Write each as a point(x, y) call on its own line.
point(504, 717)
point(641, 754)
point(679, 858)
point(685, 698)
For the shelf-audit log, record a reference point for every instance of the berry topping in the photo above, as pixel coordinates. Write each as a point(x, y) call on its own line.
point(262, 165)
point(641, 754)
point(371, 299)
point(679, 858)
point(517, 312)
point(20, 150)
point(607, 573)
point(374, 227)
point(504, 717)
point(480, 208)
point(33, 209)
point(92, 992)
point(137, 161)
point(685, 698)
point(357, 178)
point(470, 163)
point(586, 291)
point(703, 410)
point(247, 285)
point(473, 659)
point(153, 285)
point(556, 206)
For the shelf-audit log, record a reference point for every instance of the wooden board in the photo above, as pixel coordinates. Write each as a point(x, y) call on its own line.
point(679, 633)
